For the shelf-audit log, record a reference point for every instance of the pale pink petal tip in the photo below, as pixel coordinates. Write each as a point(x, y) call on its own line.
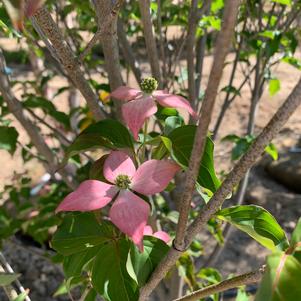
point(130, 213)
point(125, 93)
point(148, 231)
point(153, 176)
point(174, 101)
point(90, 195)
point(136, 112)
point(162, 235)
point(118, 163)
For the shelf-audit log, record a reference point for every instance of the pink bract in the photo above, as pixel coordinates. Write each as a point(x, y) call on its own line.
point(140, 106)
point(129, 212)
point(159, 234)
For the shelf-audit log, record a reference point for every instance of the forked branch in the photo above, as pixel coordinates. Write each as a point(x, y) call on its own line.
point(66, 57)
point(150, 41)
point(244, 164)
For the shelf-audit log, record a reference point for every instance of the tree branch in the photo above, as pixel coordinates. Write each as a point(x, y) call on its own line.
point(240, 280)
point(128, 51)
point(222, 47)
point(161, 43)
point(110, 44)
point(192, 25)
point(107, 23)
point(239, 170)
point(247, 161)
point(66, 57)
point(150, 40)
point(194, 16)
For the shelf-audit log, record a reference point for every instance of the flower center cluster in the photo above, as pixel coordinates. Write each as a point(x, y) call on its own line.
point(149, 85)
point(123, 182)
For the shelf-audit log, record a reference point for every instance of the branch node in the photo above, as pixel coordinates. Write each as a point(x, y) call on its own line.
point(179, 248)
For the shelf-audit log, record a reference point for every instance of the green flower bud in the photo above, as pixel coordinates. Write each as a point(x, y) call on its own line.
point(123, 182)
point(149, 85)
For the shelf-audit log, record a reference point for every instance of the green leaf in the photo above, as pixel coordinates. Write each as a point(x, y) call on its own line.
point(258, 223)
point(8, 139)
point(172, 123)
point(242, 295)
point(284, 2)
point(281, 280)
point(272, 151)
point(239, 149)
point(269, 34)
point(231, 89)
point(182, 139)
point(74, 264)
point(79, 232)
point(164, 148)
point(109, 276)
point(231, 138)
point(211, 275)
point(91, 296)
point(141, 265)
point(96, 170)
point(21, 297)
point(106, 133)
point(8, 278)
point(296, 236)
point(68, 285)
point(274, 86)
point(61, 290)
point(186, 270)
point(242, 144)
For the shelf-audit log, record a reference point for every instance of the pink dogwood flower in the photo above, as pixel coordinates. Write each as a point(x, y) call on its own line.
point(141, 104)
point(129, 212)
point(148, 231)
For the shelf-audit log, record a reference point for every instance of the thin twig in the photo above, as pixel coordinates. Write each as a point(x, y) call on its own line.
point(240, 280)
point(190, 51)
point(61, 136)
point(9, 290)
point(175, 62)
point(161, 43)
point(110, 45)
point(9, 269)
point(150, 41)
point(16, 109)
point(66, 57)
point(128, 51)
point(194, 16)
point(227, 103)
point(107, 24)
